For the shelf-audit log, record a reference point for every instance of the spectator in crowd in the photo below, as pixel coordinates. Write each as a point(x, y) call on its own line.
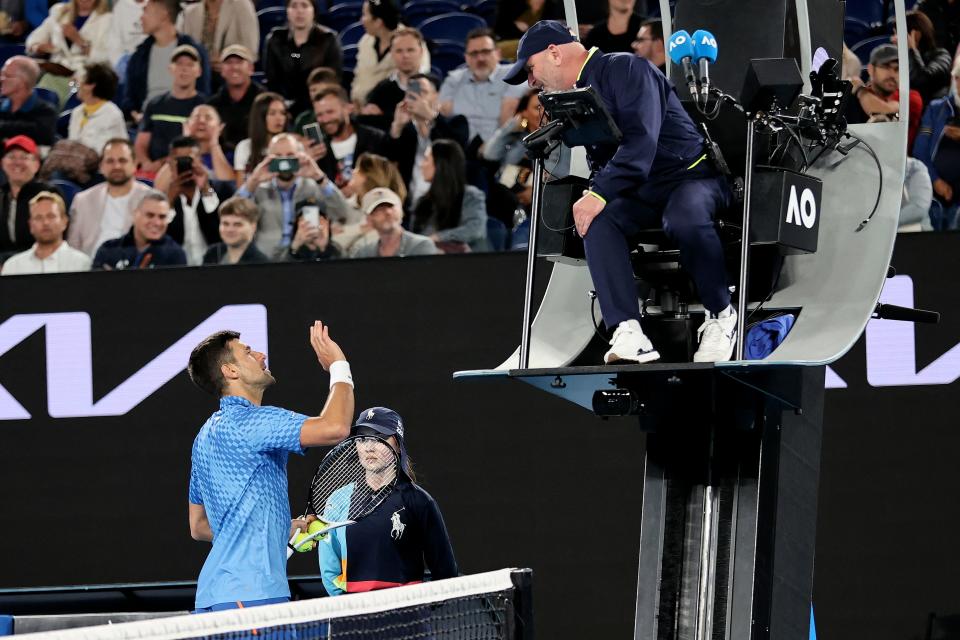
point(20, 163)
point(234, 100)
point(148, 74)
point(267, 118)
point(311, 242)
point(127, 28)
point(879, 99)
point(478, 92)
point(384, 210)
point(344, 139)
point(164, 116)
point(147, 244)
point(204, 126)
point(349, 224)
point(917, 198)
point(76, 32)
point(22, 112)
point(13, 20)
point(938, 147)
point(105, 211)
point(296, 49)
point(238, 225)
point(929, 64)
point(618, 31)
point(276, 194)
point(195, 197)
point(514, 17)
point(452, 213)
point(945, 16)
point(218, 24)
point(649, 43)
point(96, 119)
point(407, 49)
point(49, 253)
point(317, 79)
point(417, 121)
point(380, 19)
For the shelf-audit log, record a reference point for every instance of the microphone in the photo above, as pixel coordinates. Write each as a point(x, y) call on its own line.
point(680, 50)
point(705, 53)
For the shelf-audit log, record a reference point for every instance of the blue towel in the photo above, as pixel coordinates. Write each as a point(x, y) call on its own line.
point(764, 337)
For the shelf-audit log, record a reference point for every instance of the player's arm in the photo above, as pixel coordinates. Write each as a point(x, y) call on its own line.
point(333, 423)
point(199, 525)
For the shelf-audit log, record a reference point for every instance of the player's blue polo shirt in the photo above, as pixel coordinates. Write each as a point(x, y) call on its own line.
point(239, 475)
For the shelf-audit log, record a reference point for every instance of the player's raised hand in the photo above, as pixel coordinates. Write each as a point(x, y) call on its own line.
point(326, 349)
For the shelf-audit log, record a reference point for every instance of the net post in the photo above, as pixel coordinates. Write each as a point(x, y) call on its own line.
point(522, 604)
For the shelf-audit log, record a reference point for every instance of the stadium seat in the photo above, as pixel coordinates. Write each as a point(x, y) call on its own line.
point(869, 11)
point(486, 9)
point(48, 95)
point(72, 101)
point(447, 55)
point(439, 73)
point(863, 48)
point(350, 56)
point(351, 34)
point(63, 123)
point(342, 15)
point(521, 236)
point(67, 188)
point(416, 11)
point(497, 234)
point(266, 4)
point(270, 17)
point(855, 30)
point(451, 26)
point(10, 50)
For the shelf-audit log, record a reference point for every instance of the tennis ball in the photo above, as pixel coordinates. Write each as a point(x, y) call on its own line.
point(305, 546)
point(315, 526)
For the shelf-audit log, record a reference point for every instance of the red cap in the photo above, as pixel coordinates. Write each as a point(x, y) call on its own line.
point(21, 142)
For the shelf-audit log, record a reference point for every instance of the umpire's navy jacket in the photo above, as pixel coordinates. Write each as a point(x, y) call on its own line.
point(660, 142)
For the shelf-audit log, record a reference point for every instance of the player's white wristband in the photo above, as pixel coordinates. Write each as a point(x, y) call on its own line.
point(340, 372)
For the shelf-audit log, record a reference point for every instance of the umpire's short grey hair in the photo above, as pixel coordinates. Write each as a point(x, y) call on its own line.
point(152, 194)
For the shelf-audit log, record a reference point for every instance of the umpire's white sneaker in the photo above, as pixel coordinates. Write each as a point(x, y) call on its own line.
point(718, 336)
point(630, 344)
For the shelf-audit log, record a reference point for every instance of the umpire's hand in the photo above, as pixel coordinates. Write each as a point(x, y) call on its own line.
point(585, 210)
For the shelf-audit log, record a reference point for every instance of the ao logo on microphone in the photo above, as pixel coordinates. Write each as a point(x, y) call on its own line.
point(803, 210)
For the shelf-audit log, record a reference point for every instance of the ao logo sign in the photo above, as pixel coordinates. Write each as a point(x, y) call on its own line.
point(70, 365)
point(804, 210)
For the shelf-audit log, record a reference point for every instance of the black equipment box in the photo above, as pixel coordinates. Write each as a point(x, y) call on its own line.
point(557, 237)
point(785, 209)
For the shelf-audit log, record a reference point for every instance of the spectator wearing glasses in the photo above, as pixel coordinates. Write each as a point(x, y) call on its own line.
point(220, 24)
point(20, 163)
point(478, 92)
point(96, 119)
point(618, 31)
point(380, 19)
point(292, 51)
point(49, 253)
point(649, 43)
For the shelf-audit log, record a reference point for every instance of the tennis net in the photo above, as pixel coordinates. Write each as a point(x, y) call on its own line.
point(486, 606)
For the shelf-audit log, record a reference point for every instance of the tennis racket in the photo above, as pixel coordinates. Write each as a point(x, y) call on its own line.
point(353, 479)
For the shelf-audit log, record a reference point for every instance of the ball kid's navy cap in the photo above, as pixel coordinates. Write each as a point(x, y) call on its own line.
point(536, 39)
point(385, 423)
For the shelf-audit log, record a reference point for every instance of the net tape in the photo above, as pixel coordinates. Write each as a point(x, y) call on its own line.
point(286, 619)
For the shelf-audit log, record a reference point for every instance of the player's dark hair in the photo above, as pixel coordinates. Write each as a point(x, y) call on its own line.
point(206, 360)
point(441, 206)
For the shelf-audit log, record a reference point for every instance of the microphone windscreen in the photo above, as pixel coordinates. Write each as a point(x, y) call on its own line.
point(680, 46)
point(704, 46)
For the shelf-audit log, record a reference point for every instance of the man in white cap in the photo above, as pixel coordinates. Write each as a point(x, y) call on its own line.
point(384, 211)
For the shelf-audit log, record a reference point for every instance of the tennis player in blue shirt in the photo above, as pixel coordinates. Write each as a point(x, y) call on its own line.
point(238, 478)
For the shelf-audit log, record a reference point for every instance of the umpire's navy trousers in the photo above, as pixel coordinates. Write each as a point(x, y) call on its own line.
point(686, 209)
